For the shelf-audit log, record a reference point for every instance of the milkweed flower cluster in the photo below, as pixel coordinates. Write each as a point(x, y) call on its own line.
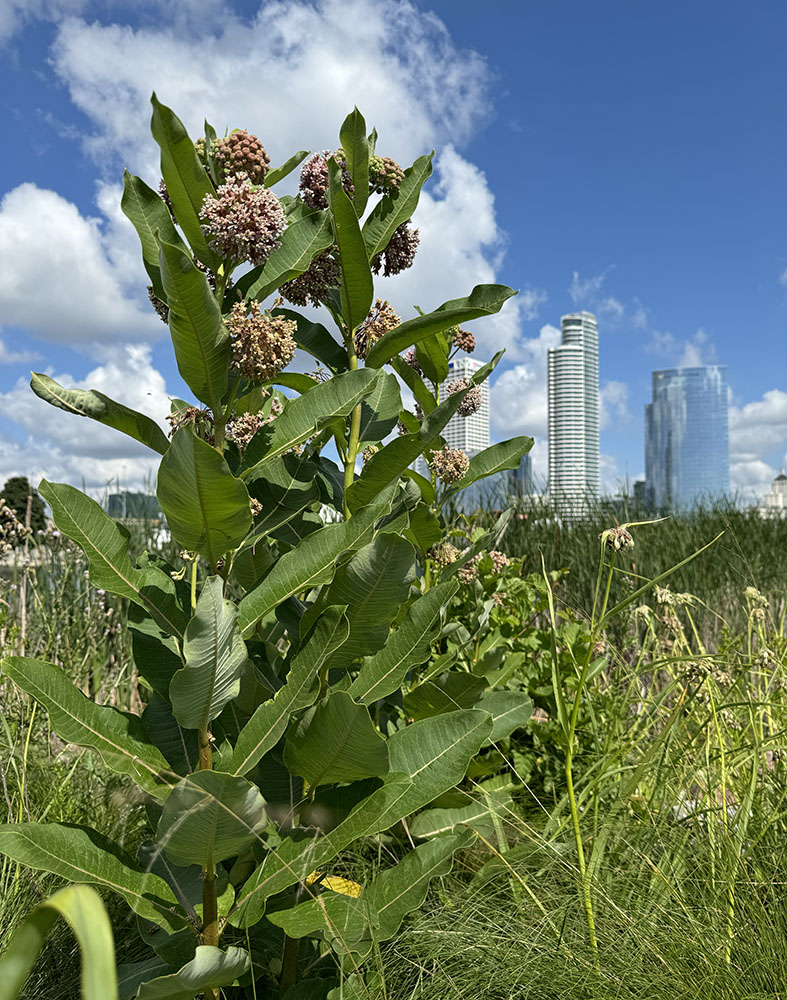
point(313, 184)
point(243, 222)
point(161, 307)
point(617, 539)
point(311, 287)
point(385, 175)
point(444, 554)
point(241, 153)
point(201, 420)
point(472, 400)
point(242, 428)
point(499, 560)
point(411, 359)
point(469, 571)
point(400, 252)
point(380, 321)
point(462, 339)
point(448, 464)
point(262, 345)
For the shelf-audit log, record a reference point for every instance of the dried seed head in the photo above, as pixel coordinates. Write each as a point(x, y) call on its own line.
point(380, 321)
point(499, 560)
point(411, 358)
point(462, 339)
point(755, 597)
point(256, 507)
point(201, 420)
point(664, 595)
point(450, 465)
point(643, 612)
point(472, 400)
point(159, 305)
point(617, 539)
point(243, 222)
point(262, 345)
point(242, 428)
point(385, 174)
point(311, 287)
point(241, 153)
point(400, 252)
point(444, 554)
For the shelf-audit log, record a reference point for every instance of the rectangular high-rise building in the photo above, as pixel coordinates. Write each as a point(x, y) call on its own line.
point(687, 452)
point(573, 417)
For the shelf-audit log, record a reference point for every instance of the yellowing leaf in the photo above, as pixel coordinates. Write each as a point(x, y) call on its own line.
point(333, 882)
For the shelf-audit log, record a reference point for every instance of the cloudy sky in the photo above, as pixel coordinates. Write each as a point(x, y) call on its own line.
point(624, 158)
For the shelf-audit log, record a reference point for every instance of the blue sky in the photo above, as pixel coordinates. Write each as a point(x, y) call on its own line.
point(625, 158)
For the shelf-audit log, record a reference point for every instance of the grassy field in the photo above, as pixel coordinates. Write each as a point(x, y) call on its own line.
point(679, 772)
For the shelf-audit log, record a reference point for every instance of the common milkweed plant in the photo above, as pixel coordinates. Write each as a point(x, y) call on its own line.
point(310, 595)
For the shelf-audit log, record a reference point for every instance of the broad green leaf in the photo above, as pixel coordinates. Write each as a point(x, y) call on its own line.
point(297, 381)
point(83, 910)
point(210, 968)
point(426, 759)
point(187, 181)
point(200, 339)
point(408, 646)
point(214, 655)
point(279, 173)
point(285, 487)
point(316, 340)
point(105, 543)
point(97, 406)
point(391, 461)
point(373, 583)
point(425, 529)
point(477, 815)
point(306, 414)
point(210, 816)
point(380, 410)
point(484, 300)
point(396, 207)
point(510, 710)
point(118, 736)
point(180, 747)
point(356, 288)
point(505, 455)
point(82, 855)
point(453, 690)
point(311, 563)
point(335, 741)
point(156, 654)
point(432, 354)
point(131, 975)
point(150, 217)
point(352, 137)
point(206, 507)
point(300, 242)
point(265, 728)
point(343, 920)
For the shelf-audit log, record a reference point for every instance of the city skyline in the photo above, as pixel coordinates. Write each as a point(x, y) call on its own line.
point(590, 193)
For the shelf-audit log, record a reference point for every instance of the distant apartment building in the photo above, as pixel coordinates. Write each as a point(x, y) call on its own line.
point(687, 453)
point(573, 414)
point(129, 506)
point(774, 503)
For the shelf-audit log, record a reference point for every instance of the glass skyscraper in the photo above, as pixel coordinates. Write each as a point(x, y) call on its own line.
point(572, 385)
point(687, 452)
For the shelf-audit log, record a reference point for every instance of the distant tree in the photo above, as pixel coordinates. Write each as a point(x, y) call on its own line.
point(15, 493)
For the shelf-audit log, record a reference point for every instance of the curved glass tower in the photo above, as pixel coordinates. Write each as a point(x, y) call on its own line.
point(687, 452)
point(572, 383)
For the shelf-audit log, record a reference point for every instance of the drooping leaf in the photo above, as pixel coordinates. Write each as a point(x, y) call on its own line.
point(391, 461)
point(118, 736)
point(373, 584)
point(415, 383)
point(82, 855)
point(179, 746)
point(263, 731)
point(210, 968)
point(200, 339)
point(97, 406)
point(300, 242)
point(306, 414)
point(425, 760)
point(456, 689)
point(505, 455)
point(312, 563)
point(185, 177)
point(214, 655)
point(352, 137)
point(316, 340)
point(432, 354)
point(380, 409)
point(335, 741)
point(396, 207)
point(206, 507)
point(408, 646)
point(131, 975)
point(484, 300)
point(105, 543)
point(147, 212)
point(210, 816)
point(356, 288)
point(156, 654)
point(82, 908)
point(510, 710)
point(279, 173)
